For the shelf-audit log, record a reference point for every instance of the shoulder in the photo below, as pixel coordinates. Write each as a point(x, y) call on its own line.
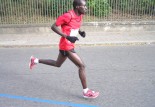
point(64, 18)
point(66, 15)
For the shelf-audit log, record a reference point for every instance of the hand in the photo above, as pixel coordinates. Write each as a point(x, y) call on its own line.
point(82, 33)
point(72, 38)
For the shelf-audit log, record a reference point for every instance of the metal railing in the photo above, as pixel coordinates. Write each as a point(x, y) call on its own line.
point(46, 11)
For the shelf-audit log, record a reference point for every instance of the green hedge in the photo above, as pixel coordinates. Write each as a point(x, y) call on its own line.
point(17, 8)
point(99, 8)
point(54, 8)
point(134, 6)
point(34, 7)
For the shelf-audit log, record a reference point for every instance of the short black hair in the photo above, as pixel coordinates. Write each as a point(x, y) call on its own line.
point(77, 3)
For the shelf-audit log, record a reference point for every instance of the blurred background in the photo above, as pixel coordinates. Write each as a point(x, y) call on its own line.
point(46, 11)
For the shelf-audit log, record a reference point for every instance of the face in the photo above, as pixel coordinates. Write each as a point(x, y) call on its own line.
point(82, 8)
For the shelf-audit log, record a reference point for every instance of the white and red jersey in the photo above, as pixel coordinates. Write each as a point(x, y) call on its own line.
point(70, 24)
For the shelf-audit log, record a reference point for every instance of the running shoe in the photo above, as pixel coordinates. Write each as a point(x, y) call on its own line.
point(32, 63)
point(90, 94)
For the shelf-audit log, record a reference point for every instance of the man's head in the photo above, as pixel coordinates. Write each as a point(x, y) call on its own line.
point(80, 6)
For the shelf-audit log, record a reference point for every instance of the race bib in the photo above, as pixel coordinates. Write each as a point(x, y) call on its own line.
point(74, 32)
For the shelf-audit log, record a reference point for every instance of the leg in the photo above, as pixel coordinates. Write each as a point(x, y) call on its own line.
point(78, 62)
point(56, 63)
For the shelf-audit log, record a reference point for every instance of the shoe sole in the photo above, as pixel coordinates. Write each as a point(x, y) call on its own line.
point(30, 62)
point(91, 97)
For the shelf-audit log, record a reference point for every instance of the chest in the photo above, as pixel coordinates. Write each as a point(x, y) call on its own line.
point(75, 23)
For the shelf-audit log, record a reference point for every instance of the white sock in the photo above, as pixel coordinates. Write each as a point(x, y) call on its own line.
point(85, 90)
point(36, 61)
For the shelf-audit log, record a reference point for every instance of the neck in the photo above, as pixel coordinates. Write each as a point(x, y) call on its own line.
point(76, 12)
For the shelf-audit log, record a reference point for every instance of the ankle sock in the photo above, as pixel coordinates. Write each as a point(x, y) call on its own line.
point(36, 61)
point(85, 90)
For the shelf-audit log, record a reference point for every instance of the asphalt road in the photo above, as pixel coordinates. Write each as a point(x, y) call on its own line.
point(124, 76)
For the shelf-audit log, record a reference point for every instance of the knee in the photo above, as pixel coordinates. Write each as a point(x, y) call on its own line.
point(82, 66)
point(58, 65)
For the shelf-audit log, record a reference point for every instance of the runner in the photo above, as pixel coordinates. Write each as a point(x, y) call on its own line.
point(70, 23)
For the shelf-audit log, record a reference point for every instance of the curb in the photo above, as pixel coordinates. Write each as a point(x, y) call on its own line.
point(80, 44)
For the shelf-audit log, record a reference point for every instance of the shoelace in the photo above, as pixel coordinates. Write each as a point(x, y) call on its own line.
point(90, 93)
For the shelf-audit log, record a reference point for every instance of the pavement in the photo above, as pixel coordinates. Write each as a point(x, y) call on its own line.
point(94, 36)
point(124, 76)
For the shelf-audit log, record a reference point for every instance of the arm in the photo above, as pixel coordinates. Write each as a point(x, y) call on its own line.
point(57, 30)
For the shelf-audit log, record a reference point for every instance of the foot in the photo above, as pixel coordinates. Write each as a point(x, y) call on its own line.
point(32, 63)
point(91, 94)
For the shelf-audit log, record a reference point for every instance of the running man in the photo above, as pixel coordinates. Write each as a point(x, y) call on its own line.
point(70, 23)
